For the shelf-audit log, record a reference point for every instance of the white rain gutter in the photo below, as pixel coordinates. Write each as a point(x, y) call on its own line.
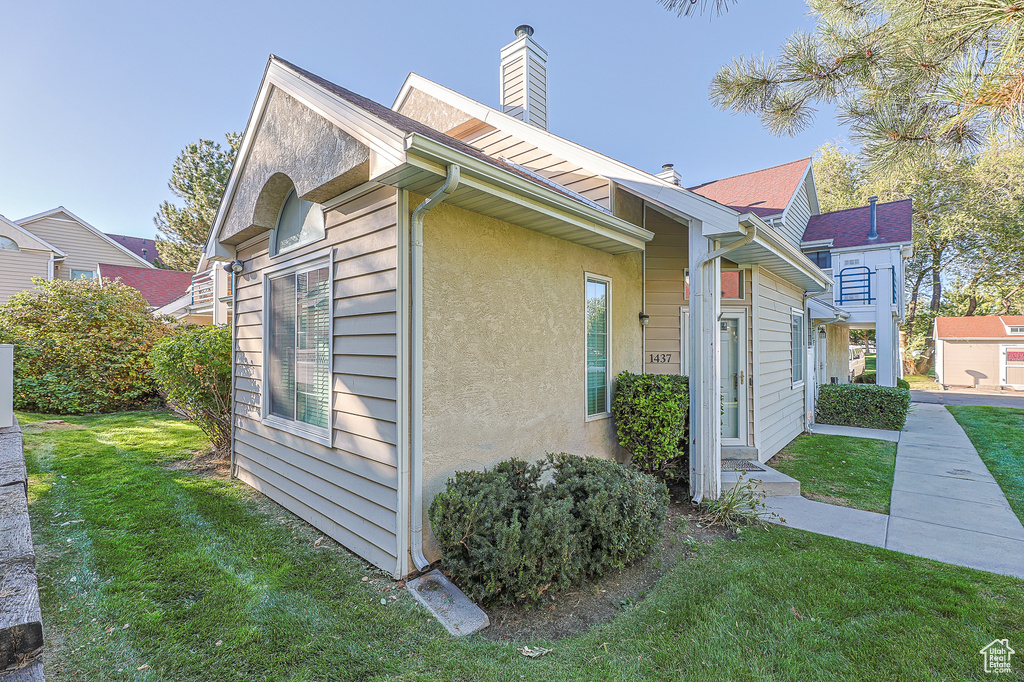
point(451, 182)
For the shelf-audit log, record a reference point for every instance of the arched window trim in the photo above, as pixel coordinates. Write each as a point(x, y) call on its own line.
point(5, 240)
point(274, 248)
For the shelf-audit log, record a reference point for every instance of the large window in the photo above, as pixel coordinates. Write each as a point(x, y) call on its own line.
point(732, 284)
point(300, 222)
point(8, 244)
point(598, 319)
point(298, 345)
point(83, 274)
point(799, 355)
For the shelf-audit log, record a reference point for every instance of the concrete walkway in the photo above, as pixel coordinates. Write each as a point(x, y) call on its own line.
point(945, 504)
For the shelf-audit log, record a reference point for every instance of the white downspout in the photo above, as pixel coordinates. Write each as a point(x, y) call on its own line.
point(451, 182)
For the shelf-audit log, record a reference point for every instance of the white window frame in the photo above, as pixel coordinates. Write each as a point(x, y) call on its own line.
point(743, 284)
point(274, 252)
point(587, 276)
point(794, 312)
point(74, 270)
point(1015, 329)
point(323, 436)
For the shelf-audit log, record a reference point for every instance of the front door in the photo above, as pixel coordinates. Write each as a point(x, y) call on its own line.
point(733, 330)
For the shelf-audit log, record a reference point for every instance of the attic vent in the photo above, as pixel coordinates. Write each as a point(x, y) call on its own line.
point(851, 261)
point(524, 79)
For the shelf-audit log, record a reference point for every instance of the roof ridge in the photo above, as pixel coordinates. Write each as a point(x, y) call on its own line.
point(740, 175)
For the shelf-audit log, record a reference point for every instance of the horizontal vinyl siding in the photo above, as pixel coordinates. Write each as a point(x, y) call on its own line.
point(666, 261)
point(348, 490)
point(782, 406)
point(796, 217)
point(17, 268)
point(84, 248)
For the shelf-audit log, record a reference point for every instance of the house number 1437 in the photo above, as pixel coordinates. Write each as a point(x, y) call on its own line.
point(661, 357)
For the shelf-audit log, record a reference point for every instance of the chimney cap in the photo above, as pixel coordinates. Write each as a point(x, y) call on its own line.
point(667, 166)
point(872, 200)
point(524, 30)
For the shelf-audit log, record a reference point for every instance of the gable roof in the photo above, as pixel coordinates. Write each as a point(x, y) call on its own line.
point(137, 245)
point(765, 193)
point(72, 216)
point(33, 240)
point(978, 327)
point(850, 227)
point(159, 287)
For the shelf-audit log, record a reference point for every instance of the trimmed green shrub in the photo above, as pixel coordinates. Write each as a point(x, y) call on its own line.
point(870, 379)
point(652, 413)
point(506, 536)
point(872, 407)
point(193, 369)
point(80, 347)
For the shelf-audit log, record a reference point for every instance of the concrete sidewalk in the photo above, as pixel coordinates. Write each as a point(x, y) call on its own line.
point(945, 504)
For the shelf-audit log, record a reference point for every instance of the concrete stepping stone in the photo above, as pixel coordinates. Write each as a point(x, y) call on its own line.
point(455, 611)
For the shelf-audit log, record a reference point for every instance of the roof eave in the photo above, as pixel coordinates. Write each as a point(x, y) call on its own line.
point(428, 159)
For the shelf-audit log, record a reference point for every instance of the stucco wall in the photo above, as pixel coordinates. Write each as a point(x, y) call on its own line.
point(504, 344)
point(293, 144)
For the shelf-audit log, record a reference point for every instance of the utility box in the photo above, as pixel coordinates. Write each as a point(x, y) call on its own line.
point(6, 385)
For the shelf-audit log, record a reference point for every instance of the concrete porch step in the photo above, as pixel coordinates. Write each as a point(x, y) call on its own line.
point(767, 480)
point(739, 452)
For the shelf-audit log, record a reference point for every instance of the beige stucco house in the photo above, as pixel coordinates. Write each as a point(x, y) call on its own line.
point(57, 244)
point(980, 351)
point(441, 285)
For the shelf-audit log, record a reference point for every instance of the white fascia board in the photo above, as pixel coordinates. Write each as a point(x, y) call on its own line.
point(681, 202)
point(887, 246)
point(785, 249)
point(382, 138)
point(38, 240)
point(812, 190)
point(175, 305)
point(827, 311)
point(100, 234)
point(817, 244)
point(525, 192)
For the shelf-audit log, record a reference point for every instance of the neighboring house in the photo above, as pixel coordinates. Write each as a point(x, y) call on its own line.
point(55, 244)
point(987, 350)
point(146, 248)
point(208, 297)
point(384, 342)
point(865, 250)
point(158, 286)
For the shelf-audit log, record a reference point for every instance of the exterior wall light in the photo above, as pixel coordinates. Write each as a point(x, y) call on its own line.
point(234, 266)
point(644, 319)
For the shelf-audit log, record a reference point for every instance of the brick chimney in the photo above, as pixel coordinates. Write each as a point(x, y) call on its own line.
point(524, 79)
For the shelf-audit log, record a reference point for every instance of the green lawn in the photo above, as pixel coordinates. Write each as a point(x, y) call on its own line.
point(148, 572)
point(870, 364)
point(998, 435)
point(921, 381)
point(852, 472)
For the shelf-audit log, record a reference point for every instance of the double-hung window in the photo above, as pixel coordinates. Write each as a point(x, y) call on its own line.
point(799, 355)
point(598, 344)
point(299, 347)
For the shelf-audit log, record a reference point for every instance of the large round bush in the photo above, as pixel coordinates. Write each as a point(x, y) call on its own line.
point(80, 347)
point(507, 535)
point(652, 420)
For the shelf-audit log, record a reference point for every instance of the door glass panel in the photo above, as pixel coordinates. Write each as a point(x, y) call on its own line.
point(730, 333)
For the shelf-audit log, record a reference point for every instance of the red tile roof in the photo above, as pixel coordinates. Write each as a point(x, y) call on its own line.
point(978, 327)
point(158, 287)
point(764, 192)
point(137, 245)
point(851, 227)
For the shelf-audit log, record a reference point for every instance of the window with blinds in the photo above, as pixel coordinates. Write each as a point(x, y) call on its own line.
point(597, 320)
point(298, 346)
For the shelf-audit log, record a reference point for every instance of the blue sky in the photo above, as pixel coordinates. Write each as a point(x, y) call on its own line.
point(100, 97)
